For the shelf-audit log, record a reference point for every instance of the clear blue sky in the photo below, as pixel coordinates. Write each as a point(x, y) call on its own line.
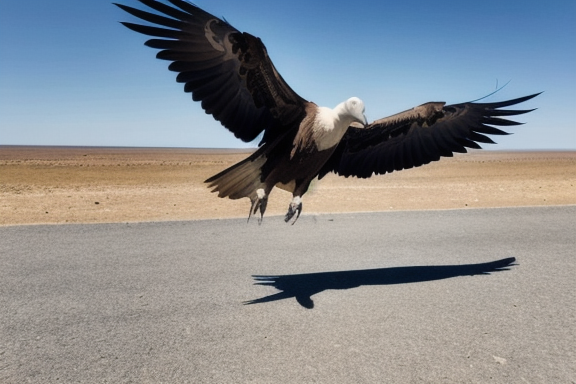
point(70, 74)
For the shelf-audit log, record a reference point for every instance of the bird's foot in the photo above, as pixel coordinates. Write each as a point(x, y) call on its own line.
point(295, 208)
point(258, 203)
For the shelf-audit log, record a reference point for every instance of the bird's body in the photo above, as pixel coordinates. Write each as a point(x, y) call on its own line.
point(292, 161)
point(233, 77)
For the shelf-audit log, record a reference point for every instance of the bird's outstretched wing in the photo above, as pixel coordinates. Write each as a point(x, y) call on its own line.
point(419, 136)
point(227, 70)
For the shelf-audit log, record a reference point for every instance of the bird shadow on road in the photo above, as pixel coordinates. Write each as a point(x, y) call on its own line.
point(304, 286)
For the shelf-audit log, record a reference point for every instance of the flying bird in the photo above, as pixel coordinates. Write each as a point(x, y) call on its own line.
point(232, 76)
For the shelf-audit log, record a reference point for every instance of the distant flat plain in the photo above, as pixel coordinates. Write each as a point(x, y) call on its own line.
point(106, 184)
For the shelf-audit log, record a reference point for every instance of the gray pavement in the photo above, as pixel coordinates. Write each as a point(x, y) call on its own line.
point(397, 297)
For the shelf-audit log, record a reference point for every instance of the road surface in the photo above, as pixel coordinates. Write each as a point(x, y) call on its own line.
point(398, 297)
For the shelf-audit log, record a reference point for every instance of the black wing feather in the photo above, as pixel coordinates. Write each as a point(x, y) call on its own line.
point(419, 136)
point(228, 71)
point(152, 31)
point(154, 18)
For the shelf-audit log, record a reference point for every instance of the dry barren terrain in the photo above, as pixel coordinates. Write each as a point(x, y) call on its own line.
point(90, 184)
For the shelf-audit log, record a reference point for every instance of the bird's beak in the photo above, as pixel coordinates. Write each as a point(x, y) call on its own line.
point(360, 122)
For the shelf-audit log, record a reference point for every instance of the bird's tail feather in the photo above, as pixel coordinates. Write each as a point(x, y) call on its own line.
point(242, 179)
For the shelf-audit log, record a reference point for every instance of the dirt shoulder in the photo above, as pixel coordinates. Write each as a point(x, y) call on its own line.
point(90, 185)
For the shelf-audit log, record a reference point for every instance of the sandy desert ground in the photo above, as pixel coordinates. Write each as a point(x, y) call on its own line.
point(94, 184)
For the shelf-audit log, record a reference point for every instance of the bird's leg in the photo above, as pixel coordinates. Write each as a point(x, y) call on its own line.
point(259, 202)
point(295, 208)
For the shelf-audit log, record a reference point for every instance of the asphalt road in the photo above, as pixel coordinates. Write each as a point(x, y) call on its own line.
point(398, 297)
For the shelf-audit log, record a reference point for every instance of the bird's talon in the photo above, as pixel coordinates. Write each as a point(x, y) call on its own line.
point(295, 208)
point(258, 203)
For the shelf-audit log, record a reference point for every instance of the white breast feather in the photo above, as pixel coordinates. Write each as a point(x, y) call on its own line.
point(328, 128)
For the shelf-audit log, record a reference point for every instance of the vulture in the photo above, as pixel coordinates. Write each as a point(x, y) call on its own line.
point(232, 76)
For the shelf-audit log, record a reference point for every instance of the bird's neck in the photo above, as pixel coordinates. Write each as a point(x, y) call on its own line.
point(330, 126)
point(343, 116)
